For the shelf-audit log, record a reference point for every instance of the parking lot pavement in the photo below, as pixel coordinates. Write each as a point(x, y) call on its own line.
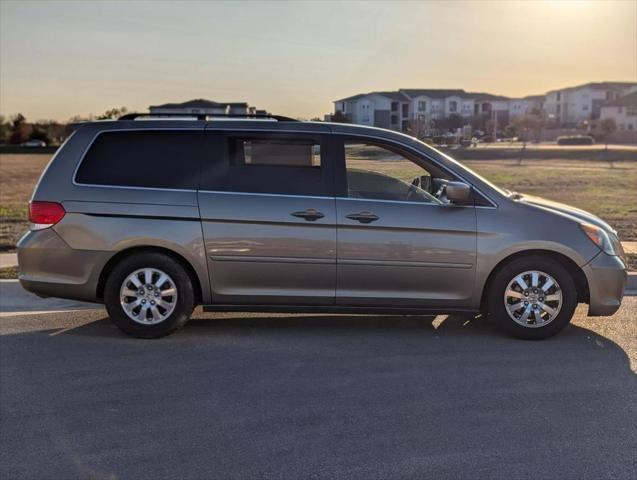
point(238, 396)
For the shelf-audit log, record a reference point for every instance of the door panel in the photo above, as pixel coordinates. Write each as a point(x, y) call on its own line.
point(259, 253)
point(398, 244)
point(269, 218)
point(413, 254)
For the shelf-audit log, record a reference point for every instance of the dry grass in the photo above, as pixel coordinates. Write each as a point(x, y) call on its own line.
point(18, 176)
point(607, 191)
point(8, 273)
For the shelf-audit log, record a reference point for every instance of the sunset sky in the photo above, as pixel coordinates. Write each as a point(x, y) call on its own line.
point(59, 59)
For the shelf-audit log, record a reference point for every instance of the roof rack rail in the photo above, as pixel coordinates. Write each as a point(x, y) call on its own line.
point(206, 116)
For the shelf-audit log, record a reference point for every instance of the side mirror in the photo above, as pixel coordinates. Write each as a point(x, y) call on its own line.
point(458, 192)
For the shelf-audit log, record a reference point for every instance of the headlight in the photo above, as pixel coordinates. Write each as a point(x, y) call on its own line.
point(608, 242)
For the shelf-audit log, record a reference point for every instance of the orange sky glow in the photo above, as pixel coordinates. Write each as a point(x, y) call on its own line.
point(59, 59)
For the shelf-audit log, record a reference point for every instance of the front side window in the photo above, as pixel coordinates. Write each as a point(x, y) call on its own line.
point(283, 164)
point(149, 159)
point(422, 105)
point(377, 173)
point(453, 106)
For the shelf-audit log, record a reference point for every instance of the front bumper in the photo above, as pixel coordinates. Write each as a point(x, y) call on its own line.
point(606, 276)
point(48, 267)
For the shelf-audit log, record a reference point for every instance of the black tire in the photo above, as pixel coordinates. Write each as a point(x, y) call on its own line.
point(185, 296)
point(497, 287)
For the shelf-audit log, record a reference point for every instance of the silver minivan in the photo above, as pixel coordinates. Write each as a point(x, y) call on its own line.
point(153, 216)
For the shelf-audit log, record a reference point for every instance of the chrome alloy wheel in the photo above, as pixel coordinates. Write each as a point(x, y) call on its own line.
point(148, 296)
point(533, 299)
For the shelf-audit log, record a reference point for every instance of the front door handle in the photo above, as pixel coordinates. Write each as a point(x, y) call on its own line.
point(311, 215)
point(363, 217)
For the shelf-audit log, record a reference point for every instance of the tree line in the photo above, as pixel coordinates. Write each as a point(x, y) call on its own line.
point(17, 130)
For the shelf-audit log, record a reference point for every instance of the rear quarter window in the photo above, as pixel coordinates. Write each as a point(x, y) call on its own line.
point(150, 159)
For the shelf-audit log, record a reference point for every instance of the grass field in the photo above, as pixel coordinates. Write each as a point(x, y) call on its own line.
point(18, 176)
point(594, 185)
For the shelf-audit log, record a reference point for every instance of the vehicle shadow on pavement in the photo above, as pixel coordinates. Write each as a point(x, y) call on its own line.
point(213, 324)
point(316, 396)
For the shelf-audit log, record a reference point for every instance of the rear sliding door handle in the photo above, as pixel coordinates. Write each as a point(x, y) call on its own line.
point(363, 217)
point(311, 215)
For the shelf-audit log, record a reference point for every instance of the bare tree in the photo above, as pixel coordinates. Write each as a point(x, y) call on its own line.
point(538, 123)
point(5, 130)
point(113, 113)
point(608, 126)
point(529, 123)
point(522, 124)
point(20, 129)
point(339, 117)
point(419, 127)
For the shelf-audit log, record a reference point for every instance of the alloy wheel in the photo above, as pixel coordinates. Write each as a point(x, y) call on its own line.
point(148, 296)
point(533, 299)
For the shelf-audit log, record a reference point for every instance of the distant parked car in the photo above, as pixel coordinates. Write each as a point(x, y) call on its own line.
point(34, 144)
point(575, 140)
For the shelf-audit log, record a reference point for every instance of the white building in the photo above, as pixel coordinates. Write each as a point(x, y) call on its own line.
point(564, 107)
point(623, 110)
point(570, 106)
point(379, 109)
point(437, 103)
point(201, 106)
point(395, 110)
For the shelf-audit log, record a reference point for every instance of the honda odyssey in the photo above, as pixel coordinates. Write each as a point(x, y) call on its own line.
point(153, 216)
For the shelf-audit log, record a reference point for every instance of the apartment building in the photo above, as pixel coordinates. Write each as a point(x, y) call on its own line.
point(395, 110)
point(623, 111)
point(573, 105)
point(378, 109)
point(436, 103)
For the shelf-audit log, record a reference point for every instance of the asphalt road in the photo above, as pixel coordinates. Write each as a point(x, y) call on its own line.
point(338, 397)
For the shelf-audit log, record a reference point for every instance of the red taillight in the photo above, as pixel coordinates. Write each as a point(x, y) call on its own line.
point(45, 214)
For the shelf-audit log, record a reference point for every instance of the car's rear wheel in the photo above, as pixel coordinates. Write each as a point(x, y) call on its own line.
point(532, 297)
point(149, 295)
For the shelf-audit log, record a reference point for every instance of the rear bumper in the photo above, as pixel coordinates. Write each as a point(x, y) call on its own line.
point(606, 276)
point(48, 267)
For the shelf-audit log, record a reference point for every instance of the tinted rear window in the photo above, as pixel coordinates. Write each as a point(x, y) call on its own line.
point(153, 159)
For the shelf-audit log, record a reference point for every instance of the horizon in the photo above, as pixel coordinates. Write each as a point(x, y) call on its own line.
point(296, 59)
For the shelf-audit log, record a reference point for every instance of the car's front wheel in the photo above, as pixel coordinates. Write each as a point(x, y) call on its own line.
point(532, 297)
point(149, 295)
